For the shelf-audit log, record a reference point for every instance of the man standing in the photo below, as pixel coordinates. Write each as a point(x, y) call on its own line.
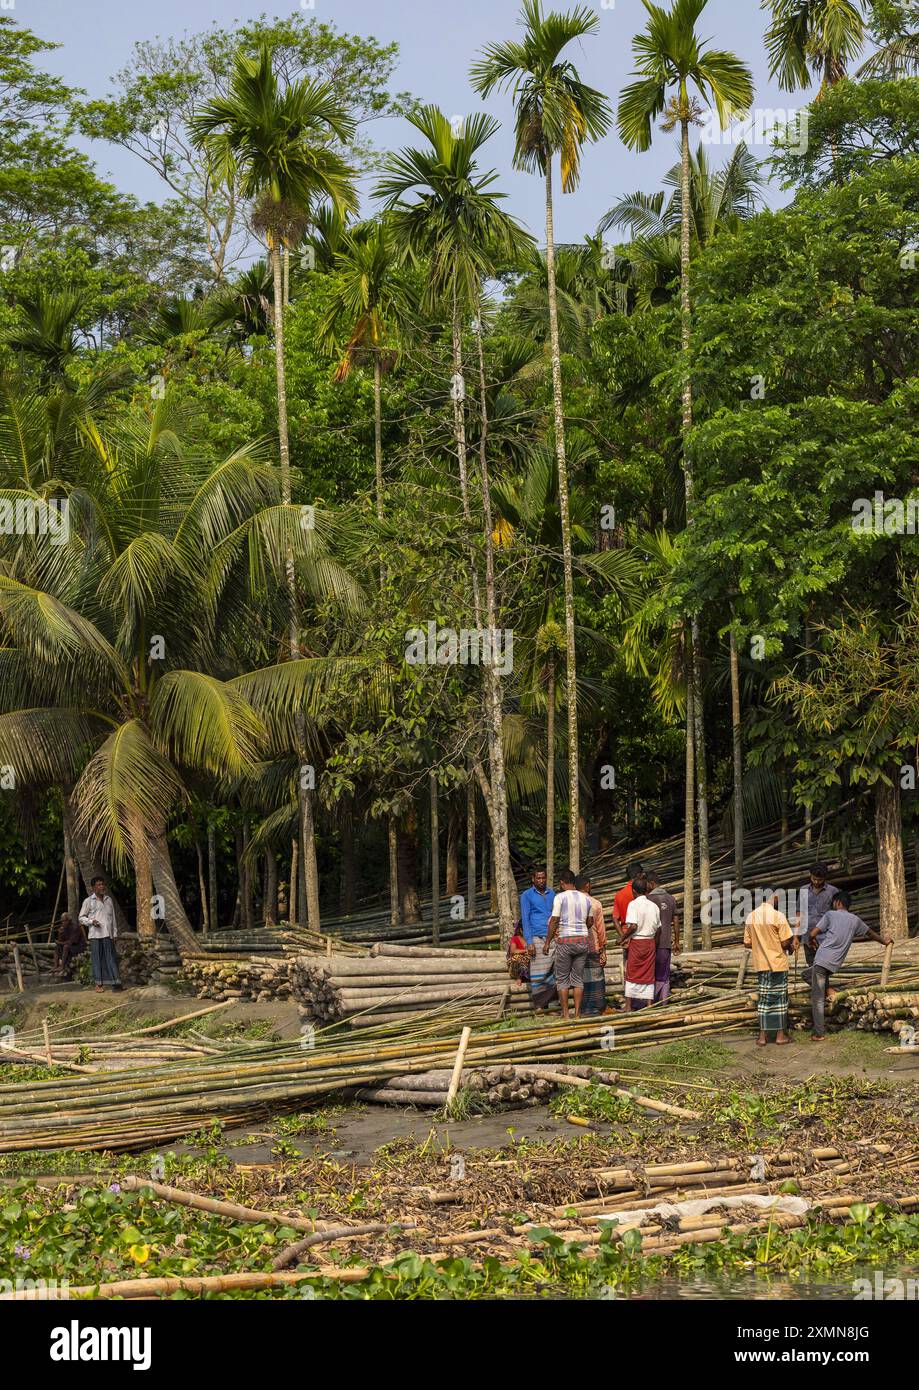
point(535, 911)
point(817, 898)
point(571, 918)
point(770, 938)
point(669, 939)
point(830, 939)
point(642, 925)
point(98, 917)
point(626, 893)
point(594, 1001)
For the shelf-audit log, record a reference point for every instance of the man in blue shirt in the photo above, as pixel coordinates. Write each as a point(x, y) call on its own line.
point(536, 908)
point(535, 911)
point(830, 939)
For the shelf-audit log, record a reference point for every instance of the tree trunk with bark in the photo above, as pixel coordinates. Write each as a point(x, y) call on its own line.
point(888, 832)
point(392, 836)
point(574, 849)
point(737, 749)
point(212, 875)
point(435, 860)
point(689, 840)
point(408, 868)
point(451, 882)
point(470, 850)
point(177, 923)
point(550, 771)
point(271, 886)
point(496, 803)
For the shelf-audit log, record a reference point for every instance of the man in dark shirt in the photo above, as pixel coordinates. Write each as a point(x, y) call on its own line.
point(816, 900)
point(71, 942)
point(669, 939)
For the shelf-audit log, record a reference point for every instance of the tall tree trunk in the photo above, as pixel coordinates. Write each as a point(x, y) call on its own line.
point(888, 831)
point(305, 796)
point(271, 886)
point(737, 747)
point(245, 879)
point(470, 850)
point(705, 873)
point(347, 879)
point(497, 804)
point(294, 913)
point(550, 772)
point(71, 873)
point(451, 882)
point(177, 923)
point(202, 890)
point(408, 867)
point(378, 432)
point(392, 836)
point(144, 921)
point(689, 838)
point(686, 393)
point(574, 847)
point(435, 861)
point(286, 276)
point(808, 811)
point(212, 875)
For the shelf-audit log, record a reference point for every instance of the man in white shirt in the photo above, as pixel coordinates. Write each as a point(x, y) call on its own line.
point(98, 917)
point(642, 925)
point(571, 919)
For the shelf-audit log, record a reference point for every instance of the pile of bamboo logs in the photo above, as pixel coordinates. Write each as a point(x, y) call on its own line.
point(878, 1010)
point(397, 981)
point(496, 1086)
point(240, 977)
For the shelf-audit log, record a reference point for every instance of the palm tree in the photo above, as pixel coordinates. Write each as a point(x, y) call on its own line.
point(46, 330)
point(371, 307)
point(676, 75)
point(273, 144)
point(898, 40)
point(719, 200)
point(556, 115)
point(813, 39)
point(446, 214)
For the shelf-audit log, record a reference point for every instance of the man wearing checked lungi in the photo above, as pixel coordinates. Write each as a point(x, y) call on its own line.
point(771, 940)
point(571, 918)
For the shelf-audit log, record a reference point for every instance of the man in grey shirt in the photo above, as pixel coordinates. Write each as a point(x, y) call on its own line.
point(98, 917)
point(817, 896)
point(669, 939)
point(830, 940)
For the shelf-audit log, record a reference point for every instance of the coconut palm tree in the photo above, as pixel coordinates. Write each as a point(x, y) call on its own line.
point(445, 214)
point(370, 309)
point(677, 76)
point(557, 114)
point(810, 40)
point(273, 144)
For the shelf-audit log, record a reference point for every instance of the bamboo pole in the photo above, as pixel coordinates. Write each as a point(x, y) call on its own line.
point(458, 1067)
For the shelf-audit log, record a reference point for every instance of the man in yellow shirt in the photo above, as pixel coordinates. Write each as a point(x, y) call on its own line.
point(771, 940)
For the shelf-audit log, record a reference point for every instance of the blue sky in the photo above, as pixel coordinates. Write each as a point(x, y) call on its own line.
point(437, 41)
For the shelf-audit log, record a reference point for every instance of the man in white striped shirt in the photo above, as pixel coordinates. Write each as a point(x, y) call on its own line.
point(571, 919)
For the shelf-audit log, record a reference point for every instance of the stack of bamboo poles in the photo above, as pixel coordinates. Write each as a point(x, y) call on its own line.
point(239, 977)
point(134, 1109)
point(395, 982)
point(877, 1010)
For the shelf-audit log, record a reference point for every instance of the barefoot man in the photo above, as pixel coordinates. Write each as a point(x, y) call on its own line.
point(771, 940)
